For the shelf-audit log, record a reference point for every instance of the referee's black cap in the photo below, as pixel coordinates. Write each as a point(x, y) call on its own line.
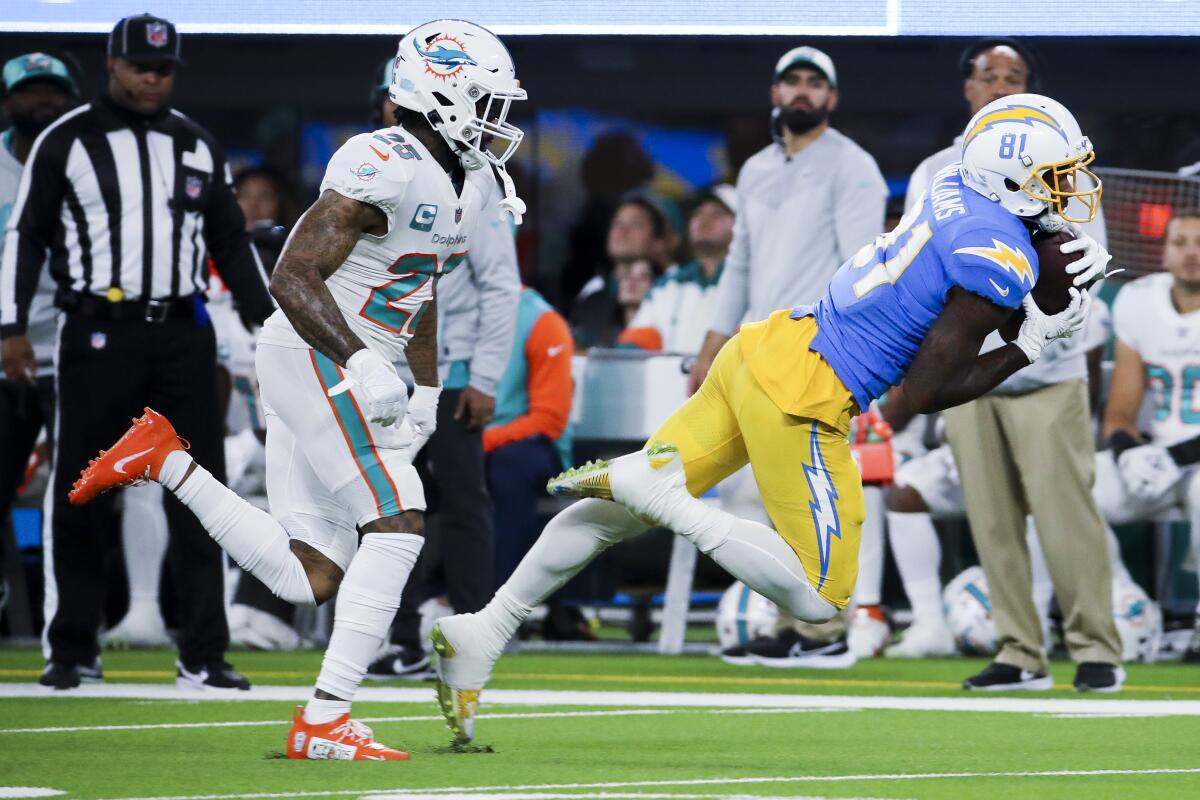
point(144, 38)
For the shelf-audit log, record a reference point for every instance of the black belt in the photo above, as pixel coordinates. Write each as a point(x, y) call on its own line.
point(153, 311)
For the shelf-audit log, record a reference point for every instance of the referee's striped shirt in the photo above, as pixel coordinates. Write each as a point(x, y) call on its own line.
point(127, 202)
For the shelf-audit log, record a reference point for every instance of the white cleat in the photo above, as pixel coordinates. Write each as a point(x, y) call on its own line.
point(924, 640)
point(463, 669)
point(142, 626)
point(869, 632)
point(260, 630)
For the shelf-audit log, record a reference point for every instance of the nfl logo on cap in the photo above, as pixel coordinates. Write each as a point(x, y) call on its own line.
point(156, 34)
point(193, 186)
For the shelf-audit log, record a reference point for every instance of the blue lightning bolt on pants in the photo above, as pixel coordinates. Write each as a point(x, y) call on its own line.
point(808, 479)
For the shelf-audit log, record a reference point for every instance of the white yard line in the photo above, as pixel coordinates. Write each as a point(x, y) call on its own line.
point(28, 791)
point(433, 794)
point(656, 699)
point(640, 712)
point(475, 791)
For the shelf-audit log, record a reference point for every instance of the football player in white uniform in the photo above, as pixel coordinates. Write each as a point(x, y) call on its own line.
point(1157, 324)
point(356, 285)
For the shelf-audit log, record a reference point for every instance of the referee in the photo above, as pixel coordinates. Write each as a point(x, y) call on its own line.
point(130, 197)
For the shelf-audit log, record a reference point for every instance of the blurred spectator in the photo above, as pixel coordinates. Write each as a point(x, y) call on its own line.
point(529, 441)
point(1157, 324)
point(37, 90)
point(675, 314)
point(638, 233)
point(613, 167)
point(477, 315)
point(805, 204)
point(268, 202)
point(133, 307)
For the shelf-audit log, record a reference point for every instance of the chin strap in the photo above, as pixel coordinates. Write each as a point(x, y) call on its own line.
point(512, 204)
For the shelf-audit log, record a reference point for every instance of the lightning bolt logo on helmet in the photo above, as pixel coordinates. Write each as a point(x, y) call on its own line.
point(1004, 256)
point(1023, 114)
point(823, 505)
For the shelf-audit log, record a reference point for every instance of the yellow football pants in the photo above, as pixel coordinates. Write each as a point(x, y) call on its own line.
point(808, 480)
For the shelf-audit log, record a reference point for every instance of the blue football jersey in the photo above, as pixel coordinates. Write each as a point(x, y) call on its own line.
point(883, 300)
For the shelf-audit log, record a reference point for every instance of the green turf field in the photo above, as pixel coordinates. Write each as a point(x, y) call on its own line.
point(616, 726)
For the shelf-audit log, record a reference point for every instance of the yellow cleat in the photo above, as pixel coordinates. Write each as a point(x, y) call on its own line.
point(458, 705)
point(592, 479)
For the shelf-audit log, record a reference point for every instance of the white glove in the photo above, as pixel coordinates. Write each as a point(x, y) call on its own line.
point(385, 394)
point(1148, 472)
point(1040, 329)
point(1094, 261)
point(422, 416)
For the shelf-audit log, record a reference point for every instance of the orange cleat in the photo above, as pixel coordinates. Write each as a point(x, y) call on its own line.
point(136, 457)
point(344, 739)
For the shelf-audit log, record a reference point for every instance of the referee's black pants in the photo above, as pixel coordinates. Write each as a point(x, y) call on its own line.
point(24, 411)
point(108, 371)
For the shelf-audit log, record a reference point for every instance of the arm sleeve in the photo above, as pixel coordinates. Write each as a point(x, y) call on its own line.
point(997, 264)
point(30, 230)
point(493, 262)
point(860, 201)
point(372, 169)
point(232, 250)
point(733, 290)
point(548, 353)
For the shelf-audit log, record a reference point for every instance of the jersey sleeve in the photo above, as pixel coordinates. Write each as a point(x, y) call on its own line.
point(998, 264)
point(369, 169)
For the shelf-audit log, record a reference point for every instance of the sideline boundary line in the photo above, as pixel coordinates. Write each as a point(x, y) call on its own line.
point(602, 699)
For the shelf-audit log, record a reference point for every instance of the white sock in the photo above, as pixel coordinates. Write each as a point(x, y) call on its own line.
point(568, 543)
point(322, 712)
point(869, 589)
point(252, 537)
point(750, 551)
point(761, 559)
point(918, 553)
point(366, 603)
point(144, 538)
point(1043, 587)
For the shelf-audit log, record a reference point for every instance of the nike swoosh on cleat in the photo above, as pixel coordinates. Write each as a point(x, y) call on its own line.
point(120, 465)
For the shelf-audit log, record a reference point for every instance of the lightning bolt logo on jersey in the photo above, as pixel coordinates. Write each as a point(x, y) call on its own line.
point(882, 302)
point(387, 282)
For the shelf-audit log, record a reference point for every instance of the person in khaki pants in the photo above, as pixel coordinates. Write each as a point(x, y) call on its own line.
point(1028, 448)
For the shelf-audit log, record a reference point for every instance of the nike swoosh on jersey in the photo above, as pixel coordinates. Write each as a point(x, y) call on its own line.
point(120, 465)
point(553, 351)
point(1002, 292)
point(382, 156)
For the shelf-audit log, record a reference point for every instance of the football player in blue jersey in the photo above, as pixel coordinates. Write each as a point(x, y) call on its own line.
point(911, 308)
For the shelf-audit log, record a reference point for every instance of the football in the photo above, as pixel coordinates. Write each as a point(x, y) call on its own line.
point(1050, 292)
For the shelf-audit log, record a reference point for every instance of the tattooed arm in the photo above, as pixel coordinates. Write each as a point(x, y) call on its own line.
point(948, 369)
point(318, 245)
point(422, 350)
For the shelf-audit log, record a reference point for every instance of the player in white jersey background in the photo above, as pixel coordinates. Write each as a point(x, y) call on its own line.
point(1156, 320)
point(356, 285)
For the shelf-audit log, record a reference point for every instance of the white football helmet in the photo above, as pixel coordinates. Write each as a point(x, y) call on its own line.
point(461, 77)
point(969, 612)
point(1138, 620)
point(743, 616)
point(1027, 153)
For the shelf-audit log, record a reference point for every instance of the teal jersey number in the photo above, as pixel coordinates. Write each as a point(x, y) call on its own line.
point(413, 272)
